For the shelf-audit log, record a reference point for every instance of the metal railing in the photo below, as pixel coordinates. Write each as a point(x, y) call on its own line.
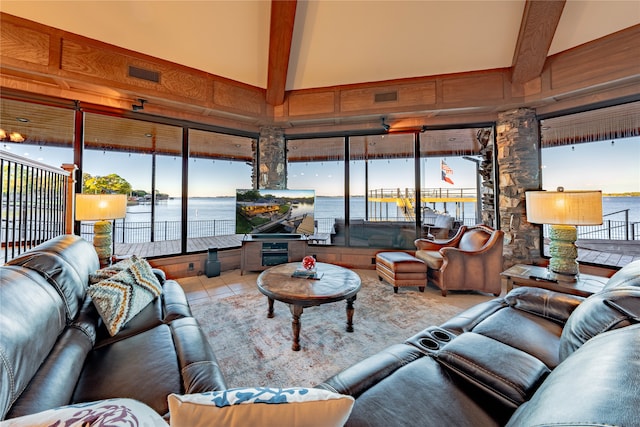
point(33, 203)
point(611, 229)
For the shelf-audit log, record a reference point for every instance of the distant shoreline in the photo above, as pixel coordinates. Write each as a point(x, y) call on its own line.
point(631, 194)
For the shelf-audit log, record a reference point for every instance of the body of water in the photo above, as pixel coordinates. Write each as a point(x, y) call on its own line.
point(223, 208)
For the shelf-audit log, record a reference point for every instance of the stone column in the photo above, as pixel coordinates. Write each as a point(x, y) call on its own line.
point(487, 191)
point(518, 171)
point(271, 173)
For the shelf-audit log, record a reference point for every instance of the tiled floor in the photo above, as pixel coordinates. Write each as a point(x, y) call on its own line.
point(202, 289)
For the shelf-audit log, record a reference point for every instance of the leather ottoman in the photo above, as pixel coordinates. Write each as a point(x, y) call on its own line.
point(401, 269)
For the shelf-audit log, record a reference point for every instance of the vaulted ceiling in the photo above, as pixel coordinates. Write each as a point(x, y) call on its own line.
point(289, 45)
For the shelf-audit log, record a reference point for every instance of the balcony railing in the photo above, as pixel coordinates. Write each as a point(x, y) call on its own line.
point(615, 226)
point(34, 203)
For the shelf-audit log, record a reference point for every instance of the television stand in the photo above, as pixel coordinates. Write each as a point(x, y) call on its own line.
point(266, 250)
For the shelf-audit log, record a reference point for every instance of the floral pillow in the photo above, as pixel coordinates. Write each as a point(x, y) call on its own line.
point(103, 413)
point(120, 297)
point(261, 406)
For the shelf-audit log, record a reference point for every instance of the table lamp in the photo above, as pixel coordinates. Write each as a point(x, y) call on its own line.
point(564, 210)
point(102, 208)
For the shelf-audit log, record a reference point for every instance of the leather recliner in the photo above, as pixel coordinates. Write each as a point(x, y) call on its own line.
point(470, 260)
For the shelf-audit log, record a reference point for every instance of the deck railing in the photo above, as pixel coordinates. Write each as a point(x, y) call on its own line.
point(140, 232)
point(34, 203)
point(619, 228)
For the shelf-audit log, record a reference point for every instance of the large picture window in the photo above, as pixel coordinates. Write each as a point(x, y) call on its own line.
point(598, 150)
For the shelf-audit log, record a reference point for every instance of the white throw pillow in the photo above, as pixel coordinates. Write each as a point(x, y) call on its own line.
point(261, 406)
point(105, 413)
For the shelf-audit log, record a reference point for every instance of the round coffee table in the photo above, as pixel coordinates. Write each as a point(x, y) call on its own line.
point(335, 284)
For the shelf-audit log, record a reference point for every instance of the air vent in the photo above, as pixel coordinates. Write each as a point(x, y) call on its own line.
point(386, 97)
point(141, 73)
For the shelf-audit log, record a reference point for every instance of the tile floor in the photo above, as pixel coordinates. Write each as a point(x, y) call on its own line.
point(203, 289)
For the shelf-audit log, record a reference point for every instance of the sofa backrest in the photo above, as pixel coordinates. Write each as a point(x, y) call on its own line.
point(616, 306)
point(32, 316)
point(65, 262)
point(474, 239)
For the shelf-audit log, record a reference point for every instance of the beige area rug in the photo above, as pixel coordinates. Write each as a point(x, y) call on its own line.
point(254, 350)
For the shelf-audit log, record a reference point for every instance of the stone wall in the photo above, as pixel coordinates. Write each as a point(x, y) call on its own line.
point(271, 173)
point(486, 171)
point(517, 137)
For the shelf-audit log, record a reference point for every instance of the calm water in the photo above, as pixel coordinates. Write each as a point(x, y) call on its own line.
point(331, 207)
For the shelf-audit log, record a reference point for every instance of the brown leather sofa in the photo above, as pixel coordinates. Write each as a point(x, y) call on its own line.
point(470, 260)
point(532, 358)
point(55, 349)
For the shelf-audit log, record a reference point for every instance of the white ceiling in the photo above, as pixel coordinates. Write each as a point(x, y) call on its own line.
point(334, 42)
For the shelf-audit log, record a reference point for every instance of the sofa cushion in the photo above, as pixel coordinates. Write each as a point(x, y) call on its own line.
point(119, 298)
point(433, 259)
point(596, 386)
point(32, 316)
point(144, 367)
point(61, 275)
point(606, 310)
point(473, 240)
point(110, 412)
point(261, 406)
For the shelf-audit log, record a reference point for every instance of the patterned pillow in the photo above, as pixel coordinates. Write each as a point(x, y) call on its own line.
point(103, 413)
point(265, 406)
point(119, 298)
point(112, 270)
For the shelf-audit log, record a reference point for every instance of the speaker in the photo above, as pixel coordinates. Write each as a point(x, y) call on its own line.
point(212, 266)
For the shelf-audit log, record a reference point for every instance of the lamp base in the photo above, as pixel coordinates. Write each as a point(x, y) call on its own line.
point(103, 242)
point(563, 251)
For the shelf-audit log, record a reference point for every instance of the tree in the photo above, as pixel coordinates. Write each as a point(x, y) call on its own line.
point(110, 184)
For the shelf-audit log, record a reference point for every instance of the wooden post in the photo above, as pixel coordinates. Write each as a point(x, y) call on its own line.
point(69, 198)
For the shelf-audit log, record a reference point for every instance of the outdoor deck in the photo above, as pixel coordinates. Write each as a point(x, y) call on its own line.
point(605, 252)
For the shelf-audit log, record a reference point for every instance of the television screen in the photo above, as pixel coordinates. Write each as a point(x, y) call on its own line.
point(262, 212)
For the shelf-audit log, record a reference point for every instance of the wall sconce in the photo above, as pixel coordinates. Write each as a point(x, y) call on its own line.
point(137, 107)
point(563, 210)
point(102, 208)
point(385, 126)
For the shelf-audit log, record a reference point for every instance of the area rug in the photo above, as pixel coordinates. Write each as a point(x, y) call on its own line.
point(254, 350)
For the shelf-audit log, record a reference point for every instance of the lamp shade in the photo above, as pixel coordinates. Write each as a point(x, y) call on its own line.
point(96, 207)
point(564, 207)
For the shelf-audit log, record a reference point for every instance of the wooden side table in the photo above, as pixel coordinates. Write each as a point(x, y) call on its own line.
point(540, 277)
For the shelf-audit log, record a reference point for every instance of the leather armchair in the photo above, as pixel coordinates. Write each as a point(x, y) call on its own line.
point(470, 260)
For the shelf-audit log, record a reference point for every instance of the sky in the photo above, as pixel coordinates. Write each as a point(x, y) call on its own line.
point(610, 167)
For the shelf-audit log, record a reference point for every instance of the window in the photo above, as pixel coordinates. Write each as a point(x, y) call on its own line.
point(218, 165)
point(598, 150)
point(382, 191)
point(318, 164)
point(140, 159)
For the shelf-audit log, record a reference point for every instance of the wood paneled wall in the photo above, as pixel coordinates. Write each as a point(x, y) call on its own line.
point(43, 60)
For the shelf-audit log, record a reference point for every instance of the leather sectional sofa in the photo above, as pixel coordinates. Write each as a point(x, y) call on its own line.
point(531, 358)
point(55, 350)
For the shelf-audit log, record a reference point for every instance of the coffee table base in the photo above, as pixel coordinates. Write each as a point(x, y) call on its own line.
point(296, 313)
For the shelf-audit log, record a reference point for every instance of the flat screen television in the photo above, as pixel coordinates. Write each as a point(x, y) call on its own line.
point(275, 213)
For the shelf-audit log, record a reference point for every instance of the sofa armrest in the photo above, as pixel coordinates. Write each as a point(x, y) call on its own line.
point(555, 306)
point(358, 378)
point(175, 304)
point(160, 274)
point(198, 365)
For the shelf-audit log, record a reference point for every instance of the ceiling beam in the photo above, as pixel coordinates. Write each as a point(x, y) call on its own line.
point(539, 22)
point(283, 14)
